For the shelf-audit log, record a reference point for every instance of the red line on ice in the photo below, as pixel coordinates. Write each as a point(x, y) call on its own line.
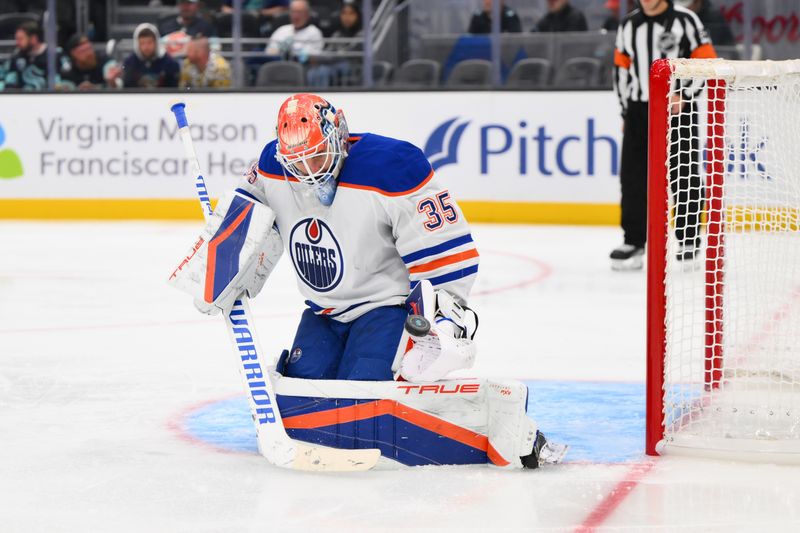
point(613, 499)
point(545, 271)
point(202, 320)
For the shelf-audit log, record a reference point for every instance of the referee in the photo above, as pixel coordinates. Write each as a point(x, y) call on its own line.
point(658, 29)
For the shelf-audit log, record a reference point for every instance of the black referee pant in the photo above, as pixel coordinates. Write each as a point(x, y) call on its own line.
point(684, 176)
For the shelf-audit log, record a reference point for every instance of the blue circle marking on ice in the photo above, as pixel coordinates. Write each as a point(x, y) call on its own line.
point(225, 424)
point(602, 422)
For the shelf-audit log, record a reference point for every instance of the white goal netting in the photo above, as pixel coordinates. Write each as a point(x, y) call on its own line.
point(732, 275)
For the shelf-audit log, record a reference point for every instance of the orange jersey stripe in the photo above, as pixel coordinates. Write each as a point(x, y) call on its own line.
point(208, 296)
point(363, 411)
point(444, 261)
point(387, 193)
point(704, 51)
point(622, 60)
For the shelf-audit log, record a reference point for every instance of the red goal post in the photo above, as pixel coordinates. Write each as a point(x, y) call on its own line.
point(723, 340)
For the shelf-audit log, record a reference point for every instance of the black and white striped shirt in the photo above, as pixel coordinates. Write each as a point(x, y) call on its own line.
point(675, 33)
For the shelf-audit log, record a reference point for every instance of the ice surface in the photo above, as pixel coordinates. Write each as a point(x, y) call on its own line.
point(112, 388)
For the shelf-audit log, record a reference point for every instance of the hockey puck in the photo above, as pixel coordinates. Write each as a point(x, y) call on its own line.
point(417, 325)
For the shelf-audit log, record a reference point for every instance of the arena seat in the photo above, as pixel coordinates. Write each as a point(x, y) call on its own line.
point(470, 74)
point(532, 72)
point(381, 72)
point(280, 74)
point(418, 74)
point(579, 72)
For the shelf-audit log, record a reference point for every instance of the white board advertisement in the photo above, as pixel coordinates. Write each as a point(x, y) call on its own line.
point(515, 146)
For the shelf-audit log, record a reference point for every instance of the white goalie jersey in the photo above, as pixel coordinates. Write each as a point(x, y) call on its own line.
point(390, 224)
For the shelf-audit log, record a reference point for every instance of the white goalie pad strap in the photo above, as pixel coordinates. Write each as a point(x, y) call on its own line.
point(510, 430)
point(495, 409)
point(452, 317)
point(235, 253)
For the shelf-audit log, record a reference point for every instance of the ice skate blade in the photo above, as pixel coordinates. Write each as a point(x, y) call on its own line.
point(633, 263)
point(552, 453)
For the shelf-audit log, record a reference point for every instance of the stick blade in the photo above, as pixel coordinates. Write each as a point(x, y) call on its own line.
point(324, 459)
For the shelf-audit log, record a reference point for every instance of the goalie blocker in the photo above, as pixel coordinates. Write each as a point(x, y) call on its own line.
point(235, 254)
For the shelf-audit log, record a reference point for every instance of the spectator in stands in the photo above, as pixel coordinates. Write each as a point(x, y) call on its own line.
point(27, 67)
point(178, 31)
point(266, 8)
point(188, 21)
point(481, 21)
point(203, 67)
point(561, 16)
point(712, 19)
point(611, 23)
point(87, 69)
point(149, 65)
point(349, 27)
point(298, 39)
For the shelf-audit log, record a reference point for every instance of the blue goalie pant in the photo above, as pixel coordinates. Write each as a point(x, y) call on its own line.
point(361, 350)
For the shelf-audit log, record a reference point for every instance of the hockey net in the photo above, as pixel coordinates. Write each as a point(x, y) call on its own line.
point(724, 259)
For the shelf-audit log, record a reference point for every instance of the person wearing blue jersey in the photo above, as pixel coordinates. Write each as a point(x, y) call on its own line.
point(375, 240)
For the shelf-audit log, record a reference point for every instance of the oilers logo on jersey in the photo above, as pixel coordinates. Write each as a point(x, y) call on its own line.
point(316, 254)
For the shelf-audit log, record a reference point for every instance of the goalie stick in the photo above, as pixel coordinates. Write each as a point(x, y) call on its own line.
point(273, 441)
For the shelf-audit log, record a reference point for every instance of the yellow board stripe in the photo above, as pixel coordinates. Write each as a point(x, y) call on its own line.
point(185, 209)
point(740, 219)
point(541, 213)
point(99, 209)
point(763, 219)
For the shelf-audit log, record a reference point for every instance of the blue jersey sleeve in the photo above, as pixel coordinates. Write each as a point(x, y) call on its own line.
point(388, 166)
point(268, 166)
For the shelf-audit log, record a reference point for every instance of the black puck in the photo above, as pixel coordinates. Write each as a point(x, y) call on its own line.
point(417, 325)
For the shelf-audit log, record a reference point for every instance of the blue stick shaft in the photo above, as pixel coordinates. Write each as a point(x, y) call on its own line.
point(179, 110)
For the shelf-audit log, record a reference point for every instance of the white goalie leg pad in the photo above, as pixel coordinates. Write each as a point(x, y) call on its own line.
point(494, 410)
point(235, 254)
point(511, 432)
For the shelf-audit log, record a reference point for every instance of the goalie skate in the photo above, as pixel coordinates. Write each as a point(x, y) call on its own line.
point(627, 257)
point(544, 453)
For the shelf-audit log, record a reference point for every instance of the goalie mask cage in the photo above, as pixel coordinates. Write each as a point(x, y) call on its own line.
point(723, 347)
